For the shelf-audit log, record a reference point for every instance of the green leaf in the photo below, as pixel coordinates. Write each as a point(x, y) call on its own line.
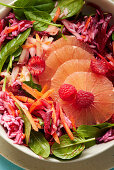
point(12, 46)
point(33, 5)
point(68, 149)
point(87, 131)
point(39, 144)
point(27, 124)
point(33, 85)
point(17, 53)
point(113, 36)
point(73, 7)
point(41, 122)
point(104, 125)
point(43, 19)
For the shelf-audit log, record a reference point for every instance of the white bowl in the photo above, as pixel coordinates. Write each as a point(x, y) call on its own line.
point(108, 6)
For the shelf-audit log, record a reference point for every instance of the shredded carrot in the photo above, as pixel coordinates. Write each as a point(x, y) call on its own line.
point(88, 21)
point(34, 92)
point(56, 138)
point(83, 36)
point(44, 89)
point(27, 113)
point(12, 109)
point(47, 42)
point(11, 29)
point(38, 125)
point(57, 14)
point(37, 103)
point(65, 125)
point(28, 46)
point(38, 38)
point(34, 105)
point(25, 99)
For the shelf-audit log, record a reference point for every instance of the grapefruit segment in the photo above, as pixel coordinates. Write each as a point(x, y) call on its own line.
point(69, 40)
point(65, 70)
point(60, 56)
point(103, 106)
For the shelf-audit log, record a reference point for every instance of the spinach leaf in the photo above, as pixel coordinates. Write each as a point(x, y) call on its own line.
point(42, 19)
point(39, 144)
point(8, 68)
point(73, 7)
point(68, 149)
point(17, 53)
point(33, 5)
point(113, 36)
point(12, 46)
point(26, 123)
point(33, 85)
point(87, 131)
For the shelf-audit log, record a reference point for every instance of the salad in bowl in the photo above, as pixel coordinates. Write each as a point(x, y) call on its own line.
point(57, 76)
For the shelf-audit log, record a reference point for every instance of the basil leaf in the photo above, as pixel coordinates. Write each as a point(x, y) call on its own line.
point(42, 19)
point(39, 144)
point(12, 46)
point(33, 85)
point(33, 5)
point(73, 7)
point(27, 124)
point(87, 131)
point(67, 149)
point(113, 36)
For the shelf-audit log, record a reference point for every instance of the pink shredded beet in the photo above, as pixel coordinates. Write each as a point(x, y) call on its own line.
point(13, 126)
point(22, 26)
point(109, 135)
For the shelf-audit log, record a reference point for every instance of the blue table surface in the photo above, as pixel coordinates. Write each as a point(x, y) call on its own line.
point(7, 165)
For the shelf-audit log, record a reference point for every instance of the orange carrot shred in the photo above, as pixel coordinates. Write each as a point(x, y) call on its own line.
point(27, 113)
point(11, 29)
point(12, 109)
point(28, 46)
point(57, 14)
point(56, 138)
point(65, 125)
point(88, 21)
point(34, 92)
point(44, 89)
point(25, 99)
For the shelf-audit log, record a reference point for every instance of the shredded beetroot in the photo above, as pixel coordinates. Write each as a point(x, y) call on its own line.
point(13, 21)
point(109, 135)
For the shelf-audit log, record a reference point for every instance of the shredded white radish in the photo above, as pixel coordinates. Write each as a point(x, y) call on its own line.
point(64, 13)
point(39, 50)
point(24, 56)
point(25, 74)
point(14, 74)
point(32, 51)
point(52, 30)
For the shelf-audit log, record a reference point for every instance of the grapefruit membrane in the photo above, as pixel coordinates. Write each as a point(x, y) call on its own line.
point(68, 40)
point(103, 105)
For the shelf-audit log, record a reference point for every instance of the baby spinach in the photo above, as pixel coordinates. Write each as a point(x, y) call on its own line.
point(39, 144)
point(113, 36)
point(42, 19)
point(68, 149)
point(27, 124)
point(12, 46)
point(73, 7)
point(32, 84)
point(21, 5)
point(88, 131)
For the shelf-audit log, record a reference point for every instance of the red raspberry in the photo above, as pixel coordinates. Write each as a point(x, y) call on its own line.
point(111, 120)
point(67, 92)
point(36, 65)
point(99, 67)
point(84, 99)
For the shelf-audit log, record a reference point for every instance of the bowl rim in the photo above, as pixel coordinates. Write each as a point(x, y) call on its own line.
point(50, 160)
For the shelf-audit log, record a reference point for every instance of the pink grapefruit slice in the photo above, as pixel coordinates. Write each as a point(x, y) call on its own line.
point(68, 40)
point(103, 106)
point(65, 70)
point(60, 56)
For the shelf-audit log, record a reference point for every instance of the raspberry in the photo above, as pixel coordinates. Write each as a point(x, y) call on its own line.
point(99, 67)
point(36, 65)
point(67, 92)
point(84, 99)
point(111, 120)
